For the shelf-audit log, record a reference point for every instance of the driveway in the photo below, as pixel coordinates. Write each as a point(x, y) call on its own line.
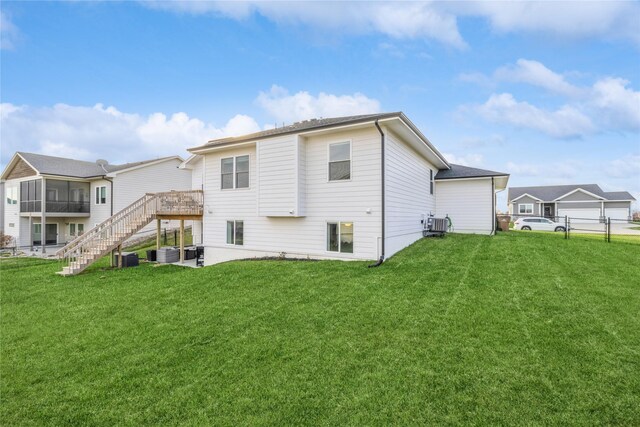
point(620, 228)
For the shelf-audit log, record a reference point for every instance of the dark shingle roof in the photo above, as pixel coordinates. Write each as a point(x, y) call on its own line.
point(302, 126)
point(618, 195)
point(459, 171)
point(51, 165)
point(552, 192)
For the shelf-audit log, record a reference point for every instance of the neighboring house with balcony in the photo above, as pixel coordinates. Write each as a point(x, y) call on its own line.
point(72, 196)
point(351, 188)
point(582, 202)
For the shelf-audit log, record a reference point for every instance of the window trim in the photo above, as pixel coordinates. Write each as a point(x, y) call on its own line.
point(431, 182)
point(525, 205)
point(349, 141)
point(98, 199)
point(11, 195)
point(235, 232)
point(339, 251)
point(234, 173)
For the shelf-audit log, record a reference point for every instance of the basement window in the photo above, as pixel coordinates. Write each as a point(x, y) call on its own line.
point(235, 233)
point(340, 237)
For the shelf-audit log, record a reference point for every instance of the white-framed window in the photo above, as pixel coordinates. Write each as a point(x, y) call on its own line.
point(340, 237)
point(234, 172)
point(431, 181)
point(76, 229)
point(339, 167)
point(525, 208)
point(235, 233)
point(101, 195)
point(12, 195)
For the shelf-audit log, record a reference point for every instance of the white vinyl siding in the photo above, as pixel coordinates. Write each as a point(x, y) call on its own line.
point(278, 189)
point(468, 203)
point(408, 198)
point(129, 186)
point(356, 200)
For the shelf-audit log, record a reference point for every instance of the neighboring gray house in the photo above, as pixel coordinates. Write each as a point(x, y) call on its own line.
point(584, 202)
point(77, 194)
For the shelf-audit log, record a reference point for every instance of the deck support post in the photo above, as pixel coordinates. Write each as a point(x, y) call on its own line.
point(119, 256)
point(181, 241)
point(30, 232)
point(113, 254)
point(43, 220)
point(158, 235)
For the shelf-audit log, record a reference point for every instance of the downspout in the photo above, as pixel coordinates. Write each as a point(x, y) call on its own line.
point(381, 260)
point(493, 207)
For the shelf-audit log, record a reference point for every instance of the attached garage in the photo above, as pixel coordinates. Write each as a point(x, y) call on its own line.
point(617, 213)
point(582, 215)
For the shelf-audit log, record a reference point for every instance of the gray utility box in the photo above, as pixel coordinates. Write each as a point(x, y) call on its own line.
point(168, 255)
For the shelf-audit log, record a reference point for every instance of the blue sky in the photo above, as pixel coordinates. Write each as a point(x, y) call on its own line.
point(549, 92)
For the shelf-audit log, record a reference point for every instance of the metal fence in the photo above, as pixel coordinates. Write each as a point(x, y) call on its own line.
point(604, 226)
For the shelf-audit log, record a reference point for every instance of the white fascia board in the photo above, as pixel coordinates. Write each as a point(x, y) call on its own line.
point(576, 190)
point(220, 147)
point(144, 165)
point(12, 163)
point(526, 194)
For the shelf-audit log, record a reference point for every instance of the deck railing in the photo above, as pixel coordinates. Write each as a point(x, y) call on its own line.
point(111, 232)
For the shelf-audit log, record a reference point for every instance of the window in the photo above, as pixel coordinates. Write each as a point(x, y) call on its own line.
point(76, 229)
point(242, 172)
point(235, 233)
point(525, 208)
point(234, 172)
point(340, 161)
point(101, 195)
point(340, 237)
point(227, 173)
point(31, 196)
point(431, 181)
point(12, 195)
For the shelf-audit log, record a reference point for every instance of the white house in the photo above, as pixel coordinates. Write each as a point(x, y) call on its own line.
point(77, 194)
point(356, 187)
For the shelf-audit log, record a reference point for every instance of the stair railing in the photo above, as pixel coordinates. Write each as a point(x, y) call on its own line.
point(111, 232)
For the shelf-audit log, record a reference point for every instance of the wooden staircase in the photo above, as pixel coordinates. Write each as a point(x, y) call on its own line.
point(83, 251)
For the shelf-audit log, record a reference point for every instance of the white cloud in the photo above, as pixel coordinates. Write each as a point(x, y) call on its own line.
point(565, 122)
point(97, 132)
point(411, 20)
point(625, 167)
point(8, 32)
point(536, 74)
point(302, 105)
point(547, 173)
point(617, 104)
point(607, 19)
point(473, 160)
point(609, 104)
point(433, 20)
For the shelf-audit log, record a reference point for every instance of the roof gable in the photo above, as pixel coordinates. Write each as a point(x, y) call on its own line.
point(18, 168)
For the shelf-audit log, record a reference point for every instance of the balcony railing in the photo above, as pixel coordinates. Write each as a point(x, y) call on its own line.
point(55, 206)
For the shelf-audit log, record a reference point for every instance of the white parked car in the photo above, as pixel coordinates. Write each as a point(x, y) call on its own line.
point(540, 224)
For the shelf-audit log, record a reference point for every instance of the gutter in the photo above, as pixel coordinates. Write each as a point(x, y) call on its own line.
point(493, 207)
point(381, 260)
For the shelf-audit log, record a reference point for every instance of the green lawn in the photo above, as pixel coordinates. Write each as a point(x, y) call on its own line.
point(521, 328)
